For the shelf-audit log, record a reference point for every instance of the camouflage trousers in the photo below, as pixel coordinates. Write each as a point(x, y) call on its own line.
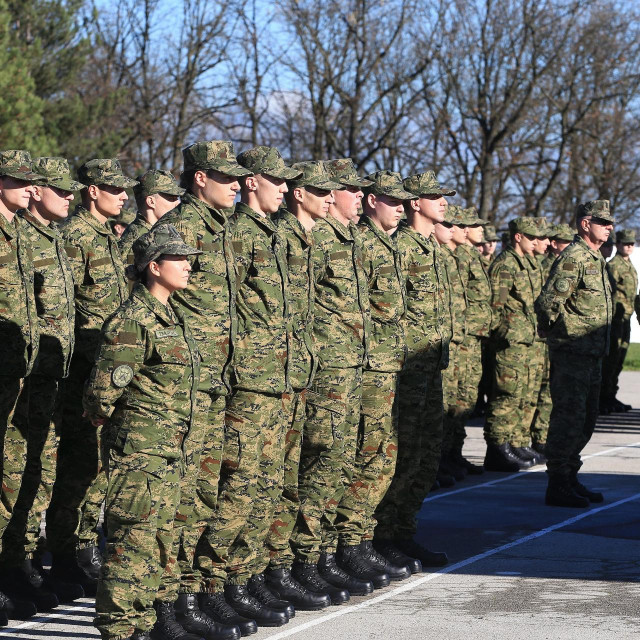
point(614, 360)
point(575, 392)
point(198, 495)
point(250, 488)
point(142, 496)
point(419, 446)
point(328, 451)
point(32, 434)
point(535, 368)
point(449, 397)
point(540, 425)
point(469, 364)
point(368, 480)
point(9, 393)
point(511, 396)
point(81, 479)
point(278, 549)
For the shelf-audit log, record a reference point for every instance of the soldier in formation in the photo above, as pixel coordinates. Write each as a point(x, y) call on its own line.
point(264, 400)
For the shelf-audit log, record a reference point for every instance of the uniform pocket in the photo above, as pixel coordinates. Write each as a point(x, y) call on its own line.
point(128, 499)
point(506, 378)
point(325, 417)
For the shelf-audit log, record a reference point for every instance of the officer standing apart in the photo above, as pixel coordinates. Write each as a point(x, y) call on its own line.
point(574, 313)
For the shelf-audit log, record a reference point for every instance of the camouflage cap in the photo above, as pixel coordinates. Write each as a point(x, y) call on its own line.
point(490, 234)
point(126, 217)
point(544, 228)
point(267, 160)
point(453, 215)
point(626, 236)
point(55, 172)
point(597, 209)
point(157, 181)
point(16, 163)
point(105, 171)
point(162, 240)
point(469, 217)
point(524, 224)
point(313, 174)
point(343, 170)
point(426, 184)
point(562, 232)
point(213, 154)
point(388, 183)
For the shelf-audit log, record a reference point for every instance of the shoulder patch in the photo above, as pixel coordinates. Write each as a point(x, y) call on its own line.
point(562, 285)
point(569, 266)
point(122, 376)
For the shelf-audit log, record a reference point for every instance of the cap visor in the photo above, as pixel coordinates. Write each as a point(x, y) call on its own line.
point(400, 194)
point(65, 184)
point(27, 176)
point(170, 191)
point(235, 170)
point(355, 182)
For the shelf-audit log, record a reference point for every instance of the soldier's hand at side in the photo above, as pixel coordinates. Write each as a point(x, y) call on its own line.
point(96, 421)
point(541, 333)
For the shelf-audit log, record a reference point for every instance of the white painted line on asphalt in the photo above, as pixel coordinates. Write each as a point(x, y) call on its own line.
point(409, 586)
point(439, 496)
point(62, 613)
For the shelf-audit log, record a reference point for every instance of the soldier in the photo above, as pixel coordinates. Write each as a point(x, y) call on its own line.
point(450, 234)
point(143, 386)
point(420, 408)
point(120, 223)
point(489, 243)
point(574, 312)
point(18, 327)
point(156, 193)
point(100, 288)
point(624, 286)
point(513, 330)
point(37, 418)
point(607, 248)
point(210, 176)
point(375, 460)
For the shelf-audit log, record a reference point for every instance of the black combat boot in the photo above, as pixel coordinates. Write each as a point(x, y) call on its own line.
point(306, 573)
point(90, 560)
point(397, 557)
point(350, 559)
point(619, 407)
point(335, 576)
point(26, 583)
point(282, 583)
point(461, 461)
point(4, 603)
point(581, 490)
point(560, 493)
point(66, 569)
point(140, 635)
point(540, 447)
point(427, 557)
point(167, 627)
point(450, 468)
point(527, 454)
point(539, 458)
point(16, 609)
point(260, 591)
point(379, 562)
point(65, 591)
point(218, 609)
point(500, 457)
point(245, 604)
point(188, 615)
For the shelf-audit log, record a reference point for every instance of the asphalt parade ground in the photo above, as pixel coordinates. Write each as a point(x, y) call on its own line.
point(518, 569)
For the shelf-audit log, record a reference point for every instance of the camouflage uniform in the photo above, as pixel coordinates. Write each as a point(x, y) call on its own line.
point(513, 327)
point(341, 332)
point(261, 407)
point(34, 429)
point(149, 183)
point(427, 328)
point(377, 449)
point(575, 311)
point(209, 305)
point(297, 244)
point(624, 286)
point(144, 383)
point(18, 326)
point(478, 320)
point(100, 288)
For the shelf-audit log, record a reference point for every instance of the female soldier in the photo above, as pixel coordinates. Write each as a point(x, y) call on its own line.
point(143, 387)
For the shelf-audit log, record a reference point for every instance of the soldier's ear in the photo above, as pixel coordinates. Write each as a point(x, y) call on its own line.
point(200, 178)
point(150, 201)
point(298, 194)
point(250, 183)
point(92, 191)
point(36, 192)
point(371, 200)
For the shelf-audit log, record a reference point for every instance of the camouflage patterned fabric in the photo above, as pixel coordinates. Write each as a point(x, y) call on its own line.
point(144, 382)
point(134, 231)
point(157, 181)
point(104, 171)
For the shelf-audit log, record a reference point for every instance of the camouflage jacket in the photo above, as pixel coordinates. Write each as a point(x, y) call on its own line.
point(209, 301)
point(476, 282)
point(98, 274)
point(137, 228)
point(514, 287)
point(297, 245)
point(428, 317)
point(456, 295)
point(53, 283)
point(575, 307)
point(546, 262)
point(260, 351)
point(387, 298)
point(18, 316)
point(342, 321)
point(145, 377)
point(624, 286)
